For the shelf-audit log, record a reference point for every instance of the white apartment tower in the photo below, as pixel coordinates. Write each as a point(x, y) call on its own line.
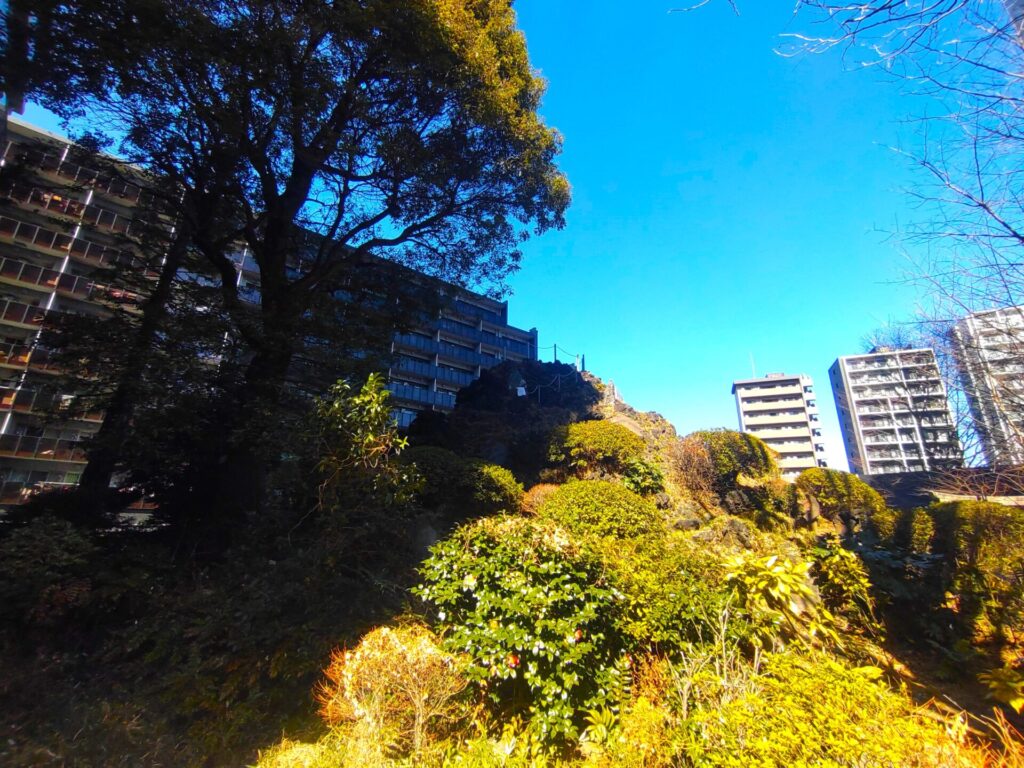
point(782, 411)
point(893, 412)
point(989, 349)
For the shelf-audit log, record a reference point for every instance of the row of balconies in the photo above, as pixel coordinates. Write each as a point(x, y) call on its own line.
point(414, 394)
point(23, 273)
point(21, 356)
point(44, 402)
point(51, 162)
point(431, 371)
point(63, 205)
point(43, 448)
point(61, 244)
point(444, 349)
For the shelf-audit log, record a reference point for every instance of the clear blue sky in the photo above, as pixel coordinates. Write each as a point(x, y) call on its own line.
point(728, 202)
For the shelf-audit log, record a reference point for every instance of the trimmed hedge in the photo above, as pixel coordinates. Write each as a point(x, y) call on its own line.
point(472, 485)
point(595, 446)
point(601, 508)
point(840, 495)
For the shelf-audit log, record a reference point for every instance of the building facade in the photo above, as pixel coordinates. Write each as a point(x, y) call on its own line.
point(989, 350)
point(893, 412)
point(782, 411)
point(63, 223)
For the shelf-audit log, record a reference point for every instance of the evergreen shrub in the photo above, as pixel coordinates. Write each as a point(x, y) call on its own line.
point(601, 508)
point(536, 616)
point(588, 447)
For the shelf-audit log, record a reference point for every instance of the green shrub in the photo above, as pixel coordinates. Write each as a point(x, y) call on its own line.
point(643, 477)
point(674, 591)
point(535, 614)
point(494, 489)
point(840, 495)
point(919, 528)
point(982, 544)
point(735, 453)
point(601, 508)
point(807, 710)
point(45, 572)
point(470, 486)
point(883, 523)
point(843, 583)
point(780, 597)
point(589, 447)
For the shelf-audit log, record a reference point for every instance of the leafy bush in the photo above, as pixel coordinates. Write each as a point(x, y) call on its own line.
point(601, 508)
point(840, 495)
point(883, 523)
point(396, 685)
point(916, 530)
point(45, 572)
point(843, 584)
point(674, 591)
point(534, 498)
point(735, 453)
point(982, 544)
point(466, 486)
point(807, 710)
point(595, 447)
point(494, 489)
point(781, 598)
point(643, 477)
point(536, 616)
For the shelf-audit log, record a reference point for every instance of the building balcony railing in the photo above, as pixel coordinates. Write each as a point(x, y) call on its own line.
point(18, 492)
point(23, 273)
point(443, 349)
point(60, 243)
point(45, 402)
point(70, 207)
point(419, 395)
point(44, 448)
point(22, 356)
point(50, 162)
point(24, 315)
point(430, 371)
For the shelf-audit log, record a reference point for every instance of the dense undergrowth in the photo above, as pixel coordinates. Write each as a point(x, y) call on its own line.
point(646, 601)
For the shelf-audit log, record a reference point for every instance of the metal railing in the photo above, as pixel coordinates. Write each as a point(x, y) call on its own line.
point(46, 448)
point(21, 314)
point(29, 274)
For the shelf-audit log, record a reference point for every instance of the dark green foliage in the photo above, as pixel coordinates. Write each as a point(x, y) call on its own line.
point(590, 448)
point(600, 508)
point(536, 615)
point(463, 487)
point(45, 572)
point(643, 477)
point(843, 583)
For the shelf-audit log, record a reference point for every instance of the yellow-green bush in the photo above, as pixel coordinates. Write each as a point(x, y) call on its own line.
point(674, 591)
point(840, 495)
point(808, 710)
point(982, 544)
point(735, 453)
point(601, 508)
point(589, 447)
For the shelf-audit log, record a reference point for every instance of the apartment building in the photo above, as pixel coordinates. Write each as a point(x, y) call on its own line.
point(893, 412)
point(782, 411)
point(989, 350)
point(63, 222)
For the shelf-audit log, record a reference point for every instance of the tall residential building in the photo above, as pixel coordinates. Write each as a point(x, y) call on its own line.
point(893, 412)
point(783, 412)
point(63, 223)
point(989, 349)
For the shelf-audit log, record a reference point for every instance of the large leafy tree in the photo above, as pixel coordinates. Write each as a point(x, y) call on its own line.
point(313, 136)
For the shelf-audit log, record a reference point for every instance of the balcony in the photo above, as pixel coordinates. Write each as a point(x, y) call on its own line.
point(23, 273)
point(42, 448)
point(70, 208)
point(61, 244)
point(43, 402)
point(430, 371)
point(21, 315)
point(422, 396)
point(51, 163)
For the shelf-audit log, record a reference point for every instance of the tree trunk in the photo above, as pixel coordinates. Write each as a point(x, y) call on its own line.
point(105, 454)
